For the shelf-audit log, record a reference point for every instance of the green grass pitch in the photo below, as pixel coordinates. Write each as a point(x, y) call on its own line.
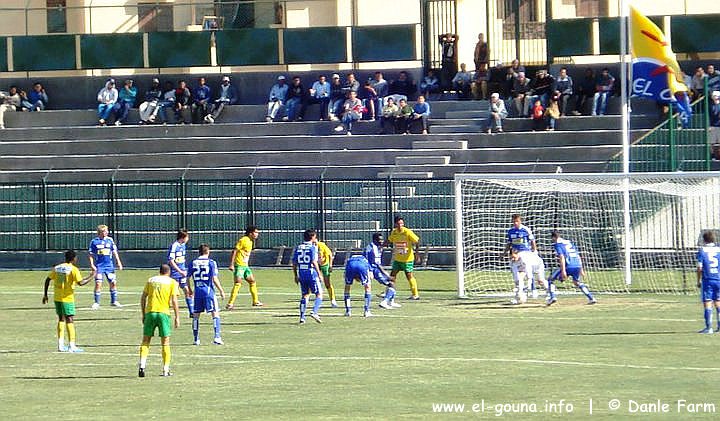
point(634, 348)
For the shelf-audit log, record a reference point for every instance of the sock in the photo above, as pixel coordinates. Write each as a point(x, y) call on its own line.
point(71, 333)
point(585, 291)
point(551, 289)
point(413, 287)
point(196, 327)
point(331, 291)
point(317, 304)
point(113, 295)
point(368, 297)
point(234, 293)
point(347, 302)
point(189, 302)
point(303, 307)
point(390, 294)
point(166, 357)
point(253, 293)
point(144, 351)
point(216, 325)
point(61, 334)
point(97, 298)
point(708, 318)
point(718, 317)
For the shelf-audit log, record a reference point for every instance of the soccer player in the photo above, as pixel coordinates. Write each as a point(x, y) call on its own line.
point(520, 239)
point(357, 268)
point(708, 278)
point(240, 266)
point(160, 293)
point(102, 251)
point(326, 257)
point(307, 274)
point(176, 259)
point(65, 276)
point(373, 254)
point(519, 271)
point(404, 241)
point(204, 272)
point(570, 264)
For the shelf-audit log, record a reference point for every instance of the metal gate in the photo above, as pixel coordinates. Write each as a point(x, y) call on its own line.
point(439, 17)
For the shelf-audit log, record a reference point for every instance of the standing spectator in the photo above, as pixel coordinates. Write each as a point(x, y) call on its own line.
point(697, 84)
point(37, 99)
point(228, 95)
point(497, 82)
point(585, 91)
point(9, 101)
point(381, 87)
point(552, 112)
point(521, 96)
point(497, 113)
point(276, 99)
point(106, 97)
point(389, 116)
point(126, 100)
point(538, 116)
point(449, 61)
point(430, 84)
point(713, 78)
point(353, 110)
point(296, 100)
point(337, 98)
point(167, 102)
point(320, 94)
point(183, 99)
point(369, 97)
point(603, 88)
point(482, 54)
point(148, 110)
point(542, 87)
point(714, 135)
point(404, 117)
point(461, 82)
point(564, 85)
point(200, 101)
point(421, 112)
point(404, 86)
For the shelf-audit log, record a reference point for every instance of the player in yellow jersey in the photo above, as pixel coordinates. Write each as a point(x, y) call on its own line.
point(405, 244)
point(160, 293)
point(64, 277)
point(326, 259)
point(240, 266)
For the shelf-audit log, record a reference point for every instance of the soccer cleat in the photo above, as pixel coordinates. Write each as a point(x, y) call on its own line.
point(196, 342)
point(302, 321)
point(706, 331)
point(118, 123)
point(218, 341)
point(62, 349)
point(347, 313)
point(268, 119)
point(285, 118)
point(315, 317)
point(141, 372)
point(229, 307)
point(414, 297)
point(551, 301)
point(258, 304)
point(75, 350)
point(333, 304)
point(514, 301)
point(591, 302)
point(166, 374)
point(116, 304)
point(339, 128)
point(367, 314)
point(384, 304)
point(393, 304)
point(95, 306)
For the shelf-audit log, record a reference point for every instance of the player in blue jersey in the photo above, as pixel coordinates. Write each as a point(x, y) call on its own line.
point(570, 265)
point(708, 278)
point(204, 273)
point(521, 240)
point(102, 250)
point(176, 259)
point(307, 274)
point(373, 254)
point(357, 268)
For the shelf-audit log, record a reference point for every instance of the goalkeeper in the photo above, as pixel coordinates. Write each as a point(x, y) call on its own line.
point(570, 264)
point(520, 239)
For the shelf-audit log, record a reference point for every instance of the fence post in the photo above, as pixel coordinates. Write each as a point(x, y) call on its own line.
point(548, 18)
point(671, 127)
point(516, 5)
point(181, 197)
point(112, 208)
point(706, 124)
point(250, 195)
point(388, 203)
point(321, 206)
point(44, 215)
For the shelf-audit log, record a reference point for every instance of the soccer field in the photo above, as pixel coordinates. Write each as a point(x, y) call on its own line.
point(632, 351)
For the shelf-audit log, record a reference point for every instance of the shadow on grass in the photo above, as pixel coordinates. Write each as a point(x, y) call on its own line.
point(70, 377)
point(622, 333)
point(26, 308)
point(102, 319)
point(155, 342)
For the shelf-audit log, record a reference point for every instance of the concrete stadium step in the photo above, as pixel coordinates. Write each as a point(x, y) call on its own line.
point(469, 114)
point(422, 160)
point(341, 225)
point(405, 174)
point(367, 205)
point(401, 191)
point(440, 144)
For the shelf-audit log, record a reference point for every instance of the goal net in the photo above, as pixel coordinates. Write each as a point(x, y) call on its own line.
point(634, 233)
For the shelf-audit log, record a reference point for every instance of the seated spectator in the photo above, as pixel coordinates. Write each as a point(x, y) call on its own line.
point(552, 112)
point(9, 101)
point(461, 82)
point(36, 100)
point(516, 68)
point(351, 85)
point(603, 90)
point(480, 83)
point(403, 86)
point(497, 82)
point(201, 105)
point(106, 97)
point(381, 89)
point(183, 100)
point(404, 117)
point(521, 96)
point(389, 115)
point(296, 100)
point(429, 84)
point(585, 91)
point(167, 102)
point(538, 116)
point(126, 100)
point(713, 78)
point(320, 94)
point(227, 95)
point(276, 99)
point(352, 112)
point(337, 98)
point(148, 110)
point(563, 85)
point(714, 135)
point(542, 87)
point(369, 98)
point(421, 113)
point(697, 84)
point(497, 113)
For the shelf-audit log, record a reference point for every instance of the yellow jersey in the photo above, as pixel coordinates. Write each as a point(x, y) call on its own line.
point(403, 242)
point(65, 276)
point(325, 254)
point(243, 248)
point(159, 290)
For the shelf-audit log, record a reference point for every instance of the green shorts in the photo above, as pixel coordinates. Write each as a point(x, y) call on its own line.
point(64, 309)
point(243, 272)
point(325, 269)
point(406, 267)
point(159, 320)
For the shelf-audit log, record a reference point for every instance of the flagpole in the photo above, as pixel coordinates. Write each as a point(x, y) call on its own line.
point(624, 75)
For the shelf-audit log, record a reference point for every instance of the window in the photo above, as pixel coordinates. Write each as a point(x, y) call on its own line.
point(155, 17)
point(56, 17)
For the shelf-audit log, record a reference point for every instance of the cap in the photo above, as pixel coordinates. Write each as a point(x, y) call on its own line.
point(281, 77)
point(155, 80)
point(335, 76)
point(495, 95)
point(226, 79)
point(715, 94)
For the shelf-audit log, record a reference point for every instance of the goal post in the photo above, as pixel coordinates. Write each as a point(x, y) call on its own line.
point(635, 232)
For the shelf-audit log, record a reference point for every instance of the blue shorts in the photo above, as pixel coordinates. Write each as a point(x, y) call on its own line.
point(710, 291)
point(573, 272)
point(205, 302)
point(357, 269)
point(381, 277)
point(310, 285)
point(109, 275)
point(181, 280)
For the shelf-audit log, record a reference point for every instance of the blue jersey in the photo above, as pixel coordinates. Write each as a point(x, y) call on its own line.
point(102, 250)
point(520, 238)
point(373, 254)
point(303, 257)
point(176, 253)
point(566, 249)
point(203, 270)
point(708, 258)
